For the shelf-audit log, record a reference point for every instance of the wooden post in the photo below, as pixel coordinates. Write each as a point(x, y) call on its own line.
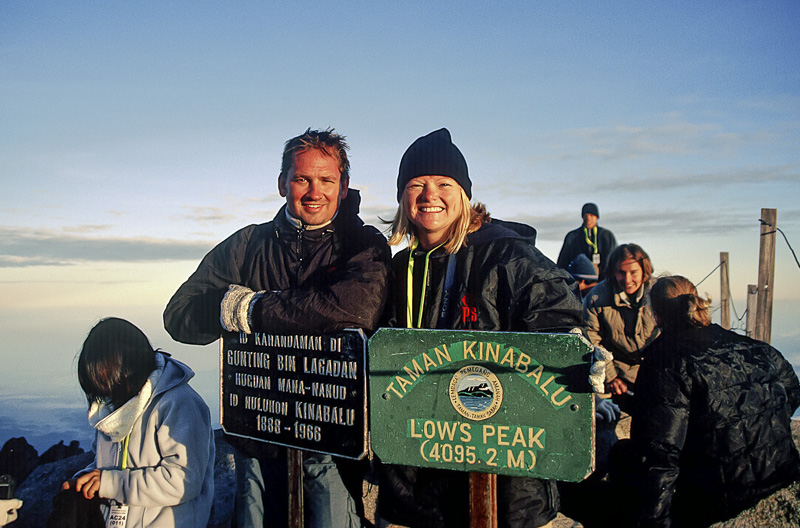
point(750, 324)
point(295, 472)
point(766, 275)
point(724, 292)
point(482, 500)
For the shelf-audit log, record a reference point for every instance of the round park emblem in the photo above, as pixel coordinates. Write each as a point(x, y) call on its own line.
point(475, 392)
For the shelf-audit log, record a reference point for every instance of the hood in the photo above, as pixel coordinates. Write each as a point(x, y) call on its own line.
point(496, 229)
point(118, 423)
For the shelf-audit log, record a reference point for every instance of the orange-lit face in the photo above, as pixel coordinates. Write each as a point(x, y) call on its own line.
point(433, 204)
point(629, 276)
point(313, 187)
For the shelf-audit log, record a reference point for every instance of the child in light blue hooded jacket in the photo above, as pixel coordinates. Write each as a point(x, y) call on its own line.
point(154, 446)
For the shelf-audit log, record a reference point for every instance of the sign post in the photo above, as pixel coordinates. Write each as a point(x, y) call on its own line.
point(489, 402)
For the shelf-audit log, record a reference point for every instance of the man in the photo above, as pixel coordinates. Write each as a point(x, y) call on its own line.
point(314, 268)
point(590, 239)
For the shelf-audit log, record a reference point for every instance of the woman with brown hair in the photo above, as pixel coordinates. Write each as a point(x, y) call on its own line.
point(619, 318)
point(712, 415)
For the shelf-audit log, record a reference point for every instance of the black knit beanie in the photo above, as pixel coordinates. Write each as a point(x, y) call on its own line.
point(433, 155)
point(590, 208)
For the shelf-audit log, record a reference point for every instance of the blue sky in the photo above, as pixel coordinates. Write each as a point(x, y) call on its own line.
point(136, 135)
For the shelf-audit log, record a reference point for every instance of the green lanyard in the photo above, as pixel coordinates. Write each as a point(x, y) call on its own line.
point(588, 241)
point(125, 452)
point(446, 292)
point(410, 287)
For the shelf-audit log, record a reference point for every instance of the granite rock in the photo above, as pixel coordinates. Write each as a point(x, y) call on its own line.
point(38, 490)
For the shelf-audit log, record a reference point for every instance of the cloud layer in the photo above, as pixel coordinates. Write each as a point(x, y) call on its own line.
point(22, 247)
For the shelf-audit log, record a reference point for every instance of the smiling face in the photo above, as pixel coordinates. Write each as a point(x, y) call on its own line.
point(313, 187)
point(629, 276)
point(433, 204)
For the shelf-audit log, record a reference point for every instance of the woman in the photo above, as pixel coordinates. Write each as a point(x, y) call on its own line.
point(619, 318)
point(716, 433)
point(154, 447)
point(462, 271)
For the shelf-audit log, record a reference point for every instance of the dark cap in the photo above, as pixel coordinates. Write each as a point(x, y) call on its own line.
point(590, 208)
point(581, 268)
point(433, 155)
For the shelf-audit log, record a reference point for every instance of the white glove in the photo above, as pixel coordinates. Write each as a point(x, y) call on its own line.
point(597, 372)
point(8, 510)
point(235, 308)
point(606, 410)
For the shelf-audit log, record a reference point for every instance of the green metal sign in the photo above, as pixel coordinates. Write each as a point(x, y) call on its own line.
point(493, 402)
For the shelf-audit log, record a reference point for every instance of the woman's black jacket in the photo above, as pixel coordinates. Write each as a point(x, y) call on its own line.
point(712, 416)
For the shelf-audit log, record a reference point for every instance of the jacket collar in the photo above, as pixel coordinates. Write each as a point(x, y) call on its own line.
point(623, 299)
point(347, 212)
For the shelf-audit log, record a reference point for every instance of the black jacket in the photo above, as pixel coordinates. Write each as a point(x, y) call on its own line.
point(575, 244)
point(503, 283)
point(713, 412)
point(321, 280)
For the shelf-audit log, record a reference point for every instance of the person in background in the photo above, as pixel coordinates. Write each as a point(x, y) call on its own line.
point(590, 239)
point(619, 319)
point(315, 268)
point(154, 446)
point(498, 281)
point(584, 273)
point(713, 413)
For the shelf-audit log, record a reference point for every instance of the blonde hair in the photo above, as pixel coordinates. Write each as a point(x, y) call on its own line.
point(677, 304)
point(470, 218)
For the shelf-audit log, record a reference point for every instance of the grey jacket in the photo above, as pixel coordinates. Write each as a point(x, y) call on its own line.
point(622, 329)
point(169, 480)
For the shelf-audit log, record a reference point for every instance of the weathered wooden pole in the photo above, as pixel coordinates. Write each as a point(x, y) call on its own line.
point(750, 323)
point(295, 472)
point(766, 275)
point(483, 500)
point(724, 292)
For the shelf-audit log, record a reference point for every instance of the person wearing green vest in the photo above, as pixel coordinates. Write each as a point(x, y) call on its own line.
point(590, 239)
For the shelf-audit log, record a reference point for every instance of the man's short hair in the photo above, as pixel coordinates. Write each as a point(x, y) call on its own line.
point(326, 141)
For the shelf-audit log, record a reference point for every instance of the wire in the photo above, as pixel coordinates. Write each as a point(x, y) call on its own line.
point(790, 247)
point(730, 297)
point(707, 276)
point(778, 229)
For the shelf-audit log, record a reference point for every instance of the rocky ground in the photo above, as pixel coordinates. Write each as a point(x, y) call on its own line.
point(780, 510)
point(44, 481)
